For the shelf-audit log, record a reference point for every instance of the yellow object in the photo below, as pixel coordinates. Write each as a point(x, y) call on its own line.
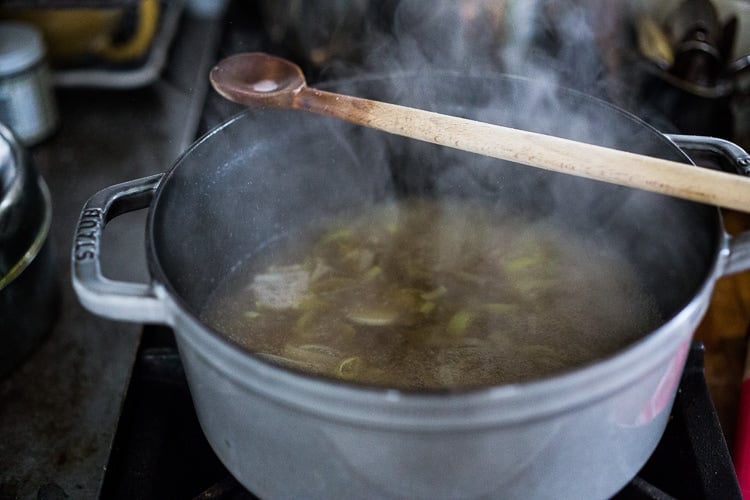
point(653, 42)
point(148, 17)
point(73, 34)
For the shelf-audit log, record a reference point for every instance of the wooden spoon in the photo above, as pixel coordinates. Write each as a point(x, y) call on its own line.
point(257, 79)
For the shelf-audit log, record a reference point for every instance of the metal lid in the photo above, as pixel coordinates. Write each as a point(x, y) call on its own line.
point(21, 46)
point(25, 209)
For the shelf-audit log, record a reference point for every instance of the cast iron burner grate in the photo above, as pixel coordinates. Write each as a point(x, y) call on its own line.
point(160, 451)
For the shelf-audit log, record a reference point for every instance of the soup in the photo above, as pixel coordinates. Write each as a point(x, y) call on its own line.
point(420, 294)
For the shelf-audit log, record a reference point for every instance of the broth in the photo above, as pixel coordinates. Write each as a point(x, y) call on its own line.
point(420, 294)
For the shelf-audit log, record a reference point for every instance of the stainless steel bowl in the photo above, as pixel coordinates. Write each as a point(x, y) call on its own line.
point(29, 290)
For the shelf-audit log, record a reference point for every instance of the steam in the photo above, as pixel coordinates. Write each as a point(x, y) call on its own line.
point(552, 44)
point(561, 43)
point(552, 41)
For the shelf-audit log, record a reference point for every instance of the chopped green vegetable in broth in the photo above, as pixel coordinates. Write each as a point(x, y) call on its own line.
point(422, 294)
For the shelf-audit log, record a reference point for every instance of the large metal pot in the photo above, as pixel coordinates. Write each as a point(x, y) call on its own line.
point(29, 289)
point(582, 434)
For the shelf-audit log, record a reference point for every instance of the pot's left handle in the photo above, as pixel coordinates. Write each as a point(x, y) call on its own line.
point(118, 300)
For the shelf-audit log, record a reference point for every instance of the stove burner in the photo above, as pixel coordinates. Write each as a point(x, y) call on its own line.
point(160, 451)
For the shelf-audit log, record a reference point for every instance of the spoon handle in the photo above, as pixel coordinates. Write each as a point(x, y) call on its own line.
point(538, 150)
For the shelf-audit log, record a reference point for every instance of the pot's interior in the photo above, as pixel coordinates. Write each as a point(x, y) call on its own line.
point(268, 172)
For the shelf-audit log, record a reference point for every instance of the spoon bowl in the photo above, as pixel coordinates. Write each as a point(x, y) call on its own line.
point(258, 79)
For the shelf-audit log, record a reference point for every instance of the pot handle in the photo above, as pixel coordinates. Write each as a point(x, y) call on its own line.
point(738, 247)
point(135, 302)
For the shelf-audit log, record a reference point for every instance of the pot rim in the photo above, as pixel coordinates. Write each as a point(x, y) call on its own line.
point(36, 245)
point(450, 409)
point(37, 182)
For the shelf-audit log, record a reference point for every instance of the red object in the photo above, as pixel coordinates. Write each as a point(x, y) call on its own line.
point(741, 455)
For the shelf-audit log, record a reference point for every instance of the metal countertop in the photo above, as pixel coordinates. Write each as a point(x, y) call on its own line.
point(59, 410)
